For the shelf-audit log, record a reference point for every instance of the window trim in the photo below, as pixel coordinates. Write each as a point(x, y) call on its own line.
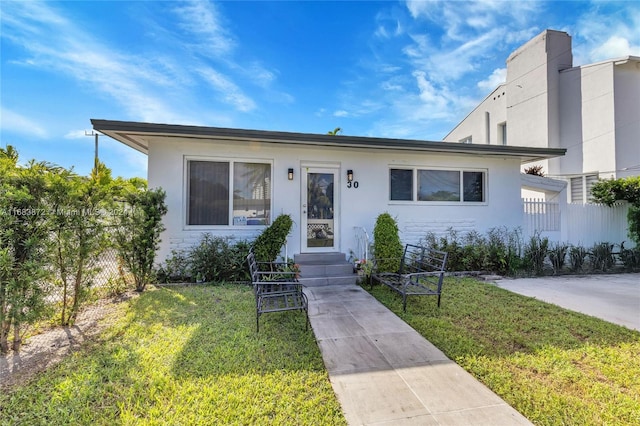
point(461, 171)
point(231, 161)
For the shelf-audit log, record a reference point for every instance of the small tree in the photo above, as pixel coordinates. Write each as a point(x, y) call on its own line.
point(78, 231)
point(138, 234)
point(623, 189)
point(387, 247)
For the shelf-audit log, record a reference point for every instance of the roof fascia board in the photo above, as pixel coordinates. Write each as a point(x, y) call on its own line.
point(126, 133)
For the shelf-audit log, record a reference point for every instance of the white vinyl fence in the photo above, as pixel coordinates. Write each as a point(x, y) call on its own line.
point(579, 224)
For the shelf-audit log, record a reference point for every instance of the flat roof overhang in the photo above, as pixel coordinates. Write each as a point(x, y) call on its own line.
point(137, 136)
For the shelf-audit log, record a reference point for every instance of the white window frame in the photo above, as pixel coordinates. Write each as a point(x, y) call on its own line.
point(231, 161)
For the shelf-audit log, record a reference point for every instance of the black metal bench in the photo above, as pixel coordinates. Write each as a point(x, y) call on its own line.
point(276, 288)
point(420, 272)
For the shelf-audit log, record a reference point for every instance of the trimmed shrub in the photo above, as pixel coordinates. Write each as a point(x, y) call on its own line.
point(387, 247)
point(269, 243)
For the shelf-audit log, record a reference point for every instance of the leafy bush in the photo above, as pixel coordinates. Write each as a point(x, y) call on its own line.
point(601, 257)
point(24, 246)
point(138, 234)
point(214, 259)
point(558, 256)
point(209, 258)
point(628, 189)
point(474, 252)
point(577, 256)
point(387, 247)
point(499, 251)
point(633, 220)
point(448, 243)
point(269, 243)
point(630, 258)
point(535, 252)
point(176, 268)
point(504, 251)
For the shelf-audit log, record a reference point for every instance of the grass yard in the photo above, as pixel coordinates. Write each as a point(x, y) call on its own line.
point(185, 355)
point(555, 366)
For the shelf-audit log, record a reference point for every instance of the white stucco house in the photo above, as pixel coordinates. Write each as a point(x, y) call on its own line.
point(234, 182)
point(592, 111)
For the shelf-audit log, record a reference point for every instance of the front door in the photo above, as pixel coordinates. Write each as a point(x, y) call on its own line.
point(319, 209)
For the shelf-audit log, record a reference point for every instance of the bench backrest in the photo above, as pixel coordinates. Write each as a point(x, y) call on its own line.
point(253, 266)
point(417, 259)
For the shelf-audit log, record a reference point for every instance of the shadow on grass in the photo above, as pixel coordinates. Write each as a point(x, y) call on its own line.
point(186, 355)
point(222, 334)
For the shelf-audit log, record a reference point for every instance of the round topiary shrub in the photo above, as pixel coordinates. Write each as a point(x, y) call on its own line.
point(387, 247)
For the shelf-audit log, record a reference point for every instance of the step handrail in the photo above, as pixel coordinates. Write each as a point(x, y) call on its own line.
point(362, 243)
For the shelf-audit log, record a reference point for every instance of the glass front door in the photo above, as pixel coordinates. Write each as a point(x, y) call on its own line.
point(319, 209)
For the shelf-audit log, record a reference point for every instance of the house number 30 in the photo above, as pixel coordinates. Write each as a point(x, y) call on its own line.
point(353, 184)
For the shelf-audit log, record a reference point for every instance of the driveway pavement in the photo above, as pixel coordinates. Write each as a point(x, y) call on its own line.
point(612, 297)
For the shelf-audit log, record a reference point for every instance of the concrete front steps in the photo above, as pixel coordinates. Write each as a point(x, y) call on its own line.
point(324, 269)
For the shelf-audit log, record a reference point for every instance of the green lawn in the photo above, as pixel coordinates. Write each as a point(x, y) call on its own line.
point(185, 355)
point(555, 366)
point(190, 355)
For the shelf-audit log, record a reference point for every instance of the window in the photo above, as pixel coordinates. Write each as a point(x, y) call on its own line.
point(473, 187)
point(468, 139)
point(502, 133)
point(437, 185)
point(401, 185)
point(224, 193)
point(581, 188)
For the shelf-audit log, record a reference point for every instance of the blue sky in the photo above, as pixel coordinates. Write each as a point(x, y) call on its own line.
point(385, 68)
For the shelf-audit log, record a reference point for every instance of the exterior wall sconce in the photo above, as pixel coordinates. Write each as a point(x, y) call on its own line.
point(290, 174)
point(349, 175)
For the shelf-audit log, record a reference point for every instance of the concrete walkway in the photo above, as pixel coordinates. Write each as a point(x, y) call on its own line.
point(385, 373)
point(611, 297)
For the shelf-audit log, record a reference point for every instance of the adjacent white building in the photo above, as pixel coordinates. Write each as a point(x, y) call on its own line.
point(592, 111)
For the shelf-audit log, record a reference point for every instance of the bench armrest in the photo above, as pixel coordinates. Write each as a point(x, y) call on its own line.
point(276, 276)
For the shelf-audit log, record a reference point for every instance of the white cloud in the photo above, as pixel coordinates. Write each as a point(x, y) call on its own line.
point(57, 45)
point(18, 123)
point(142, 82)
point(231, 93)
point(78, 134)
point(202, 20)
point(497, 77)
point(428, 94)
point(420, 8)
point(599, 36)
point(341, 113)
point(615, 46)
